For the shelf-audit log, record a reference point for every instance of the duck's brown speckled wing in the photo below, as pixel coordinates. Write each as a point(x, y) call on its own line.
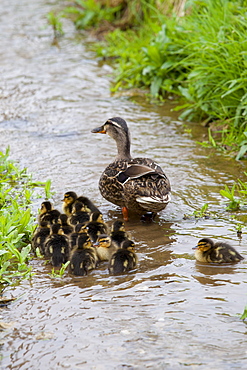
point(139, 184)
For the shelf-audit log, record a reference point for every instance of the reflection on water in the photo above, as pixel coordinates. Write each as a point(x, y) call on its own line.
point(172, 312)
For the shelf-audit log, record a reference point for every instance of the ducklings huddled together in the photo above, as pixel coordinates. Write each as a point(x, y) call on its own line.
point(80, 235)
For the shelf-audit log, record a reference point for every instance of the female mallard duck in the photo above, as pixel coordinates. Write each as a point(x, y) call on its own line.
point(83, 257)
point(118, 233)
point(105, 247)
point(138, 185)
point(124, 259)
point(57, 246)
point(208, 251)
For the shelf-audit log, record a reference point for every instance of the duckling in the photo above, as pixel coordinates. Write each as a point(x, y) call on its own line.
point(118, 233)
point(57, 246)
point(88, 204)
point(79, 215)
point(138, 185)
point(124, 259)
point(96, 226)
point(79, 229)
point(70, 197)
point(68, 201)
point(63, 221)
point(83, 257)
point(39, 237)
point(208, 251)
point(105, 247)
point(47, 213)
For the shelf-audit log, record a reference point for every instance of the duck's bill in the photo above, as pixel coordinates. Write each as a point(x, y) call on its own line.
point(99, 130)
point(195, 247)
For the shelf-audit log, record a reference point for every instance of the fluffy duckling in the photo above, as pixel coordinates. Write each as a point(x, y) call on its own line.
point(88, 204)
point(118, 233)
point(57, 246)
point(124, 259)
point(83, 257)
point(39, 237)
point(68, 201)
point(47, 213)
point(96, 226)
point(71, 197)
point(79, 229)
point(208, 251)
point(79, 214)
point(63, 221)
point(105, 247)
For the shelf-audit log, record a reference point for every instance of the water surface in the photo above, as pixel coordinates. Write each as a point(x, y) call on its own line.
point(173, 312)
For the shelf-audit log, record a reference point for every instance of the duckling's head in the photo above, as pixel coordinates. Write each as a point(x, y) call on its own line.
point(81, 228)
point(69, 197)
point(56, 229)
point(62, 219)
point(103, 241)
point(45, 207)
point(96, 217)
point(117, 128)
point(84, 241)
point(204, 244)
point(77, 207)
point(44, 223)
point(129, 245)
point(118, 226)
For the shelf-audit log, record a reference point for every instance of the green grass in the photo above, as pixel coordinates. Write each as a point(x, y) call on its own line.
point(200, 58)
point(16, 220)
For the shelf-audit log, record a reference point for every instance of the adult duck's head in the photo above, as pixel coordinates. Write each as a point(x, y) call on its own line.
point(117, 128)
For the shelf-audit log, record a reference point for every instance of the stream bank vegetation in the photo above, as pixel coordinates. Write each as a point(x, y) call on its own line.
point(16, 220)
point(191, 51)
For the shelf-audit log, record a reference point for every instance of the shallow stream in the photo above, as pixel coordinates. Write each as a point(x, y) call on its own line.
point(173, 312)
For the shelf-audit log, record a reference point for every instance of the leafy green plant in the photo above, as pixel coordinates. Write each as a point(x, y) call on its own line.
point(16, 220)
point(200, 57)
point(244, 314)
point(57, 26)
point(203, 212)
point(59, 273)
point(230, 194)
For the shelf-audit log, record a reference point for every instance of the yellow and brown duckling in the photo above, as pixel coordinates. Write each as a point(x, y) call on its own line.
point(220, 252)
point(39, 237)
point(138, 185)
point(124, 259)
point(118, 233)
point(83, 257)
point(79, 214)
point(88, 204)
point(68, 201)
point(70, 197)
point(96, 226)
point(57, 246)
point(63, 221)
point(105, 247)
point(47, 213)
point(78, 229)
